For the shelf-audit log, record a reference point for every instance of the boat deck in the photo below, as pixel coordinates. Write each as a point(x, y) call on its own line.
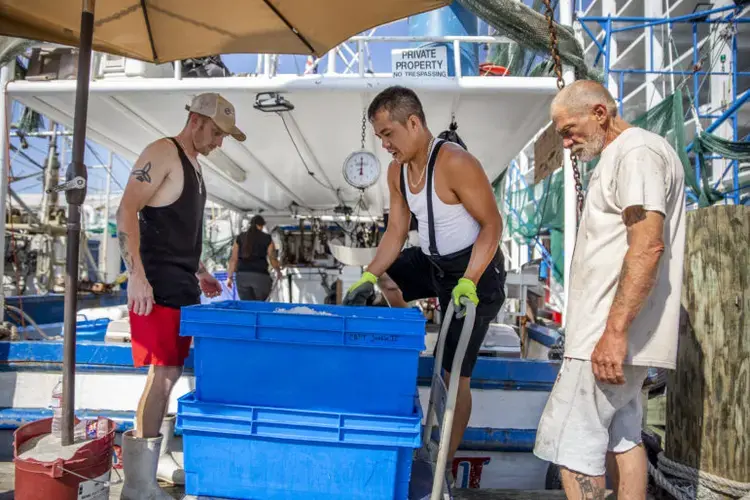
point(6, 490)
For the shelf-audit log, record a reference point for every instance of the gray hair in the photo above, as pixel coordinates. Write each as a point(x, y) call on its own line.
point(582, 95)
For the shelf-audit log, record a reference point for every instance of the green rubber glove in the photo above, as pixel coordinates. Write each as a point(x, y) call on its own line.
point(367, 277)
point(465, 288)
point(362, 292)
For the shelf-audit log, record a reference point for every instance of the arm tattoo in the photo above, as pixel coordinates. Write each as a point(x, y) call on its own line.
point(589, 489)
point(201, 268)
point(143, 174)
point(126, 257)
point(633, 214)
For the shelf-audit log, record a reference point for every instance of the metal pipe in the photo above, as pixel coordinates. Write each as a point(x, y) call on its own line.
point(665, 21)
point(681, 73)
point(736, 105)
point(661, 20)
point(607, 38)
point(447, 38)
point(735, 133)
point(178, 70)
point(287, 83)
point(25, 207)
point(596, 42)
point(457, 58)
point(28, 318)
point(331, 69)
point(105, 234)
point(6, 73)
point(75, 199)
point(361, 57)
point(43, 133)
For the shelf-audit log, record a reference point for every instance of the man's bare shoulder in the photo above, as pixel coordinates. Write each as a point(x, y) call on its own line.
point(162, 151)
point(394, 170)
point(456, 159)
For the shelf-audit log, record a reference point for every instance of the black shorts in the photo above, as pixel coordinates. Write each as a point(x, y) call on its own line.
point(420, 277)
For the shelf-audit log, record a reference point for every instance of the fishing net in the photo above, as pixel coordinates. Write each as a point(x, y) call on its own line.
point(539, 209)
point(530, 30)
point(667, 119)
point(533, 210)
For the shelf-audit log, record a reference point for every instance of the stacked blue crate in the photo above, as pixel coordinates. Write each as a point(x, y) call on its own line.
point(301, 401)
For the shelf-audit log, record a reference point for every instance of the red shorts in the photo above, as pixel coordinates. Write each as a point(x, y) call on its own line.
point(156, 338)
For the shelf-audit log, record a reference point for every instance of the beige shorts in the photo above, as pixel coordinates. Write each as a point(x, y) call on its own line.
point(584, 418)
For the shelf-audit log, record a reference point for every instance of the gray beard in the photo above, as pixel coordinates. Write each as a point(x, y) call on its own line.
point(591, 149)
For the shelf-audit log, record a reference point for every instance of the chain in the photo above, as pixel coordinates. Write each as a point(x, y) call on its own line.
point(363, 129)
point(549, 14)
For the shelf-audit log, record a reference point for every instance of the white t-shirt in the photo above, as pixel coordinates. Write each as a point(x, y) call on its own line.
point(637, 168)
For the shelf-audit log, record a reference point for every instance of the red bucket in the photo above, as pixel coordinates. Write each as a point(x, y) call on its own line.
point(83, 476)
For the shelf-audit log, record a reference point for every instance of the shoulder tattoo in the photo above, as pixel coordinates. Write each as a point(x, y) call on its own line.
point(143, 174)
point(634, 214)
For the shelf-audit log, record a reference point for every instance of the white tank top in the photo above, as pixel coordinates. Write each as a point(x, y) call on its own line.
point(455, 228)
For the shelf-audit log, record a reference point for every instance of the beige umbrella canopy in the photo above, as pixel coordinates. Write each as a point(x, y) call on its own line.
point(169, 30)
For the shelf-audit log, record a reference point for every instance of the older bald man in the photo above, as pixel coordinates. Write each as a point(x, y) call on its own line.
point(624, 296)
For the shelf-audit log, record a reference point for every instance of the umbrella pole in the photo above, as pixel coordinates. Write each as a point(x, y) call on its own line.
point(75, 194)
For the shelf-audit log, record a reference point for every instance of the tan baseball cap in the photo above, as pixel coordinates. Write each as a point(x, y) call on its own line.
point(219, 110)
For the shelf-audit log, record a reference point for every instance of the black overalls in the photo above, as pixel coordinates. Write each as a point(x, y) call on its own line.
point(422, 276)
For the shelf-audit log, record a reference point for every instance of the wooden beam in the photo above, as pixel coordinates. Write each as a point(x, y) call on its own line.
point(708, 396)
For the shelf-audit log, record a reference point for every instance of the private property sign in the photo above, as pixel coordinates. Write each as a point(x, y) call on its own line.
point(422, 62)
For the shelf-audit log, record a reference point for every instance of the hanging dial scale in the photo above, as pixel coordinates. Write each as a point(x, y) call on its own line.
point(362, 168)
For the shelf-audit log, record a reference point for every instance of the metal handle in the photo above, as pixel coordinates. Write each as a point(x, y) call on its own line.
point(77, 182)
point(438, 389)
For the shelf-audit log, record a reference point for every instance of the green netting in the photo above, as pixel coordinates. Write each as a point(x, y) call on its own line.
point(731, 150)
point(529, 211)
point(667, 119)
point(529, 29)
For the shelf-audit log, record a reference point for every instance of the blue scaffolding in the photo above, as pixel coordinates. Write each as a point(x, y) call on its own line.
point(726, 15)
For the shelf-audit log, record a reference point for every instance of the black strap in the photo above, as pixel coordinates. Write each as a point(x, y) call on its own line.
point(188, 165)
point(430, 216)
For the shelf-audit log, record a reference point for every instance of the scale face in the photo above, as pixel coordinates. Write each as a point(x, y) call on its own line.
point(361, 169)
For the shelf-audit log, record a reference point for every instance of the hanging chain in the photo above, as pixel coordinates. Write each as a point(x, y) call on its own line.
point(549, 14)
point(363, 129)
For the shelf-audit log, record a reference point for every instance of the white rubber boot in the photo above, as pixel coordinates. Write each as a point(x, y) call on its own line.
point(139, 459)
point(169, 470)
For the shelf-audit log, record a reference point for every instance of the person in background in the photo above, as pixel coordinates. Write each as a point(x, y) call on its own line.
point(251, 252)
point(624, 300)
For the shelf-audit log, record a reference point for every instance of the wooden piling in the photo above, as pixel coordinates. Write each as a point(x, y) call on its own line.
point(708, 396)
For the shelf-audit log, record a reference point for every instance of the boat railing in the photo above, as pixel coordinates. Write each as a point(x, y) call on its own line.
point(355, 55)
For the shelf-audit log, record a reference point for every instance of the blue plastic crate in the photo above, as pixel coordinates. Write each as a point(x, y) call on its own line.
point(90, 329)
point(247, 452)
point(352, 359)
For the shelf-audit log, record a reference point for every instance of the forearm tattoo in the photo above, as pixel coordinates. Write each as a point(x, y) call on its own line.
point(126, 257)
point(589, 488)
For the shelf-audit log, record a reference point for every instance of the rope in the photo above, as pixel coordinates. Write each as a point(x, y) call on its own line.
point(694, 484)
point(105, 483)
point(26, 317)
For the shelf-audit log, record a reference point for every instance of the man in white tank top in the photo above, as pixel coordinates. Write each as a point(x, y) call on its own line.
point(624, 296)
point(459, 229)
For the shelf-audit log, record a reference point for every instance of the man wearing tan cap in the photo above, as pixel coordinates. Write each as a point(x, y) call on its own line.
point(160, 228)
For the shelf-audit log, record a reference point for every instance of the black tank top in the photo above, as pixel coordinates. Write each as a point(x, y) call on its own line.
point(172, 241)
point(258, 260)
